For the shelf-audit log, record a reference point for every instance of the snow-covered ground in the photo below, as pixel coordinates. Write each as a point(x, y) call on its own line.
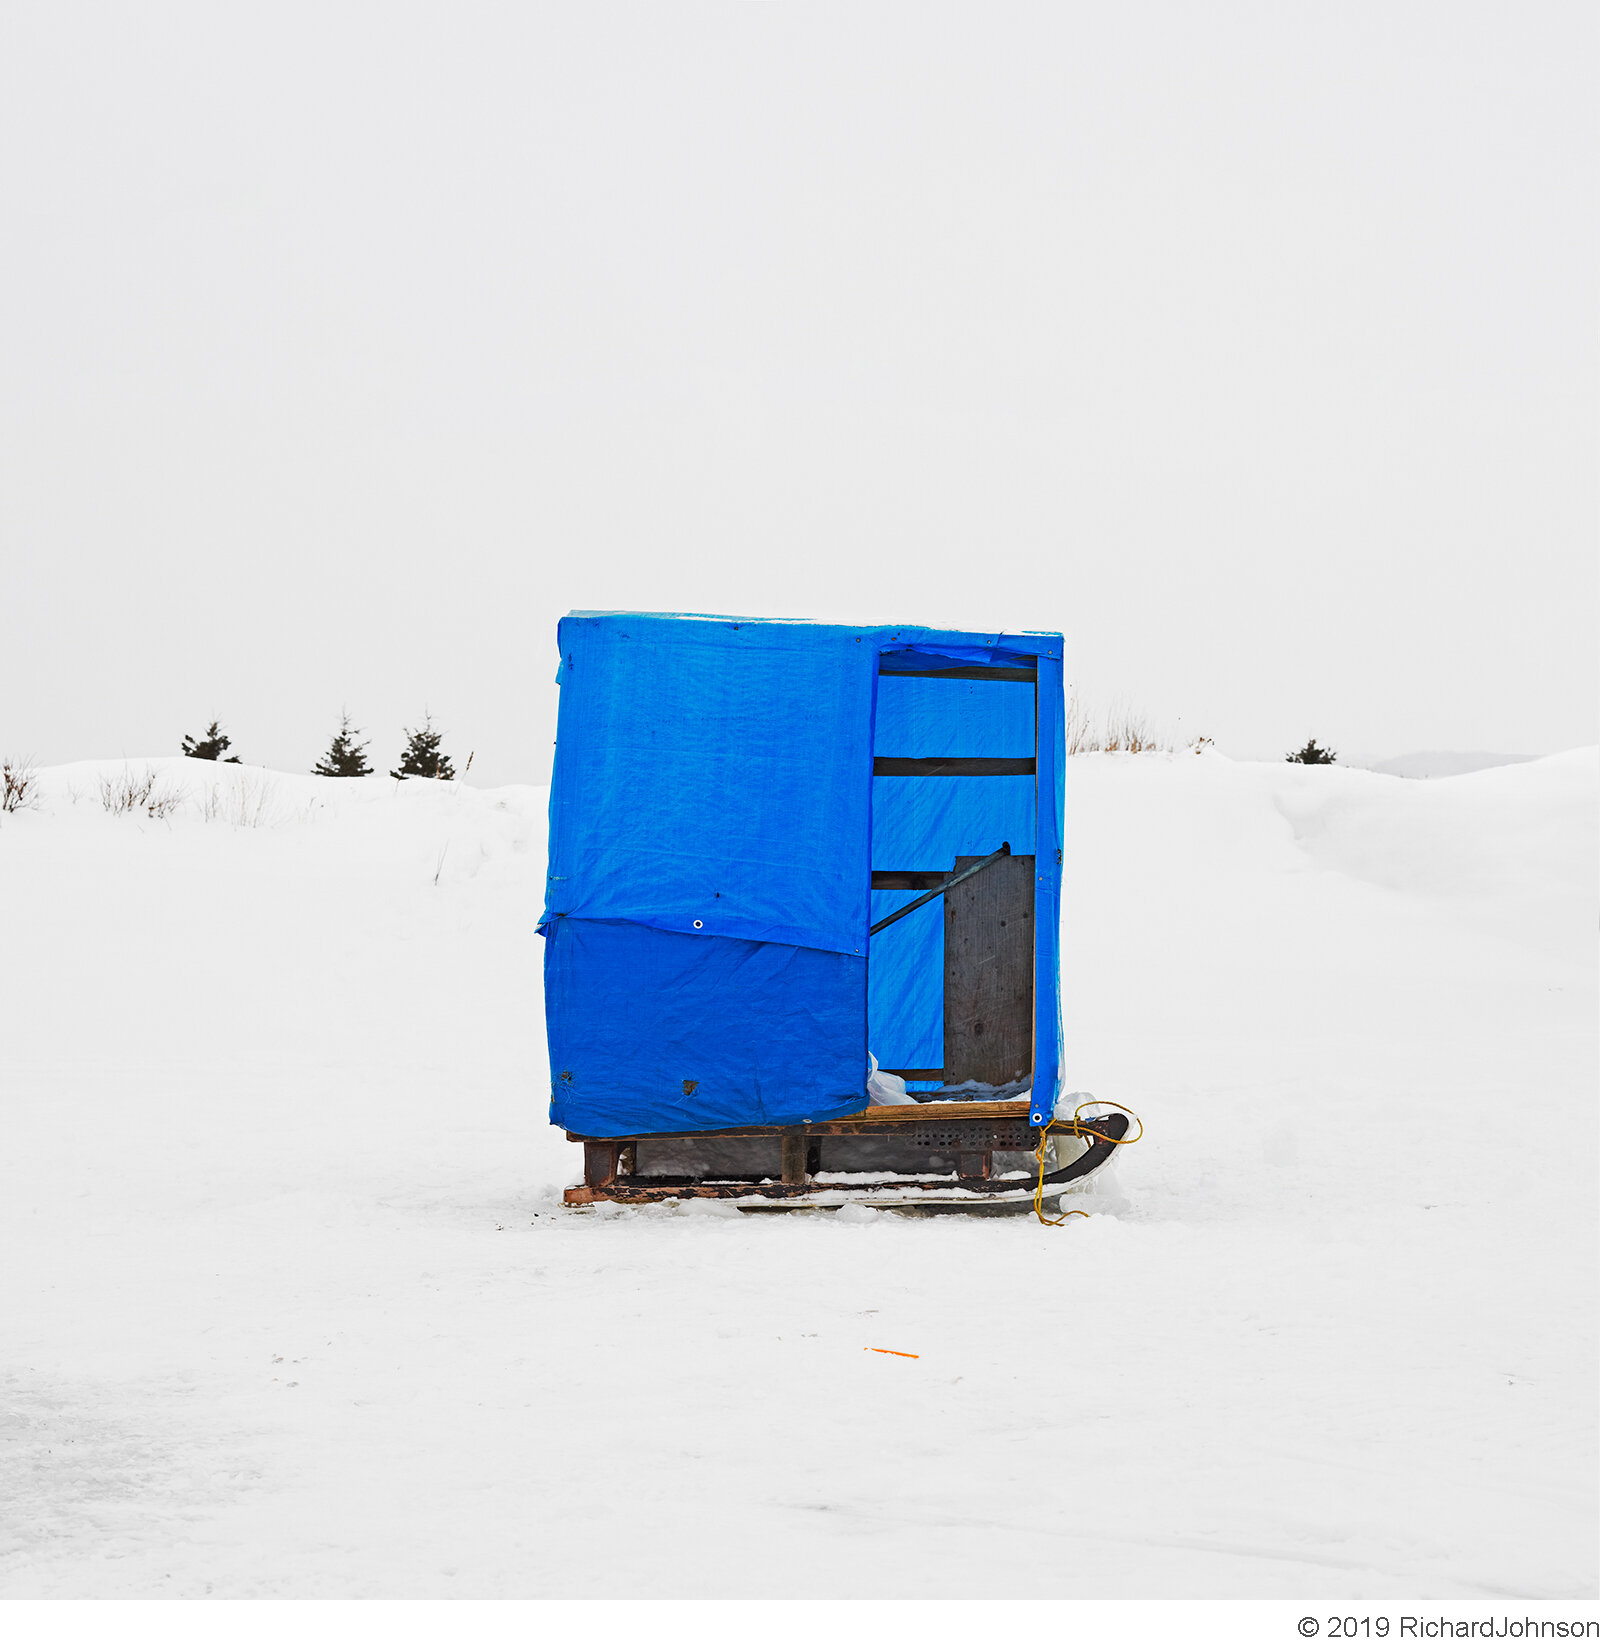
point(289, 1305)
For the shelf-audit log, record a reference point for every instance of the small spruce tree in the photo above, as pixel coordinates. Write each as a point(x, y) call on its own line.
point(209, 746)
point(422, 758)
point(345, 759)
point(1311, 752)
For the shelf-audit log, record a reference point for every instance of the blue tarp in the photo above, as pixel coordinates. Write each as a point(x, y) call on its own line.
point(714, 824)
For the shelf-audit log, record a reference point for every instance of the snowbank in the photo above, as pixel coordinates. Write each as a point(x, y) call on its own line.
point(1434, 764)
point(292, 1307)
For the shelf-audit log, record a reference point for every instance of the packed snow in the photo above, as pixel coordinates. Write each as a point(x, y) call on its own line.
point(291, 1306)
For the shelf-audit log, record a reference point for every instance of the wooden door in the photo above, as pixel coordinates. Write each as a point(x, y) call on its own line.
point(988, 973)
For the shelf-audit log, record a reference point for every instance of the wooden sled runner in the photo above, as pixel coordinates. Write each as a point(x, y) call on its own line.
point(958, 1157)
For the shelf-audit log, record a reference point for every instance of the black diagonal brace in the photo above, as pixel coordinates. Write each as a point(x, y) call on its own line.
point(1002, 852)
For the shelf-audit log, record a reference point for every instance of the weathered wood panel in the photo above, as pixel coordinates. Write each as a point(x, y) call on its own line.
point(600, 1161)
point(794, 1159)
point(988, 973)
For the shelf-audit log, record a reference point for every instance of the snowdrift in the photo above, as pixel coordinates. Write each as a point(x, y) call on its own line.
point(292, 1307)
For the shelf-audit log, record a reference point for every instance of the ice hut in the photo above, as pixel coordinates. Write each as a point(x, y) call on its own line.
point(781, 851)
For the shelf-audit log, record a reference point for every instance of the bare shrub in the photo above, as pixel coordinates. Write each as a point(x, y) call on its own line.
point(246, 800)
point(1129, 730)
point(1079, 727)
point(125, 792)
point(19, 785)
point(1121, 729)
point(132, 793)
point(255, 802)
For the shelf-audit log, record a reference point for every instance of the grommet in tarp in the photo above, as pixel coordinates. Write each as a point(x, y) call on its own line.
point(698, 923)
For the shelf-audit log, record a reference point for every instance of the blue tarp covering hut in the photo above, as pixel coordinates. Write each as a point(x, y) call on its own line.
point(724, 790)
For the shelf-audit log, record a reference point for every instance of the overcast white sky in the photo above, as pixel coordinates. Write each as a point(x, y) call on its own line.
point(344, 348)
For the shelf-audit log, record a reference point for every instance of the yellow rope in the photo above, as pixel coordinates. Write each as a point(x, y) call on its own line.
point(1079, 1127)
point(1038, 1190)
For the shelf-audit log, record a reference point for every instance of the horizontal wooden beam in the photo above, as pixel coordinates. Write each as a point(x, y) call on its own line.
point(918, 1114)
point(949, 767)
point(929, 1109)
point(968, 673)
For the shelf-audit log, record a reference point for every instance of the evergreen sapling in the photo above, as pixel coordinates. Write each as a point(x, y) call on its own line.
point(1311, 752)
point(209, 746)
point(422, 758)
point(345, 759)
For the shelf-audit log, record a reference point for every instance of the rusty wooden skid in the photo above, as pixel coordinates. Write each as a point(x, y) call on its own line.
point(872, 1121)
